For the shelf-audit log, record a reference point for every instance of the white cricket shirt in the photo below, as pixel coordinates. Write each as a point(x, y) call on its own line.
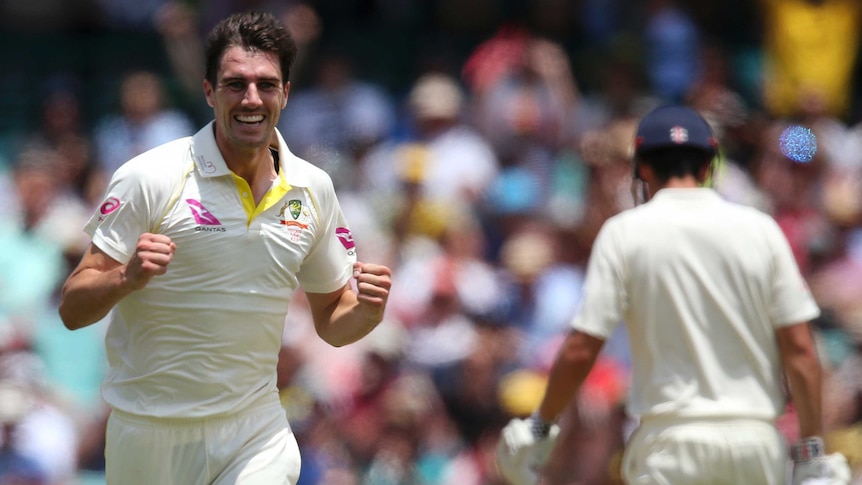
point(203, 339)
point(701, 284)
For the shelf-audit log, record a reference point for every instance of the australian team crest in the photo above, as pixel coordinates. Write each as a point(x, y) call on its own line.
point(295, 207)
point(292, 207)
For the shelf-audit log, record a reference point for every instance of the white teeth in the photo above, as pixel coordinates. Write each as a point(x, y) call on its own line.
point(250, 118)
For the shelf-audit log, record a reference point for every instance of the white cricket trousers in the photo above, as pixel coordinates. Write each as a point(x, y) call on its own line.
point(705, 452)
point(253, 447)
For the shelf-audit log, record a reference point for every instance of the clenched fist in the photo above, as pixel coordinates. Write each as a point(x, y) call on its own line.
point(153, 253)
point(373, 282)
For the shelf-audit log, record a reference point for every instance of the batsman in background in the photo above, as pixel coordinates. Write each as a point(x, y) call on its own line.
point(198, 248)
point(717, 313)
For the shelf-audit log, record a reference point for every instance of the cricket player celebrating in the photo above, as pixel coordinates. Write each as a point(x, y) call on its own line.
point(717, 313)
point(198, 247)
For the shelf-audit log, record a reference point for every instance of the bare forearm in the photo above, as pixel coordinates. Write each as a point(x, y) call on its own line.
point(563, 384)
point(571, 367)
point(803, 370)
point(89, 295)
point(99, 281)
point(347, 322)
point(346, 315)
point(804, 378)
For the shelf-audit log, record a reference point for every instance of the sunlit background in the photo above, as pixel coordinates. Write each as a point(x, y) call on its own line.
point(476, 146)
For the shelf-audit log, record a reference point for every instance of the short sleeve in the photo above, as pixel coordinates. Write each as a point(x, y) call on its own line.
point(136, 200)
point(329, 264)
point(604, 289)
point(122, 216)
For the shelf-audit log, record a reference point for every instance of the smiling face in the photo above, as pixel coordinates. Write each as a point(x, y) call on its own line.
point(247, 98)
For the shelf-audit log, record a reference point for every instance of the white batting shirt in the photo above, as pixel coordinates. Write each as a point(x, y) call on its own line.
point(203, 339)
point(701, 284)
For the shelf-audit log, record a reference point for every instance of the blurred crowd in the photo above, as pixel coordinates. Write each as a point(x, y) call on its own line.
point(480, 172)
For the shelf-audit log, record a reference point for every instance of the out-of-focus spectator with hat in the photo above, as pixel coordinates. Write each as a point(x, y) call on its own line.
point(457, 164)
point(438, 104)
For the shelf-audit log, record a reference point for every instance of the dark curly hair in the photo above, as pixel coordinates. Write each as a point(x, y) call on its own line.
point(254, 31)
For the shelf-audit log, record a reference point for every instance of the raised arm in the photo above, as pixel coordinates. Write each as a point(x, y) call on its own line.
point(345, 316)
point(99, 281)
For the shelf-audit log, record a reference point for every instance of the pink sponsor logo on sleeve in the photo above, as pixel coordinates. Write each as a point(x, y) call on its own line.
point(110, 205)
point(343, 234)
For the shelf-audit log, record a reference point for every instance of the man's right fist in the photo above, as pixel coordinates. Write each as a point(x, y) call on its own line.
point(153, 253)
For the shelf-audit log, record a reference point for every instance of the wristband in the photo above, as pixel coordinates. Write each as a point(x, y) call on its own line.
point(807, 449)
point(539, 426)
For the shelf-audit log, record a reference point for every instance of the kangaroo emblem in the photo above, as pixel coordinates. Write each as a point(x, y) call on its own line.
point(295, 207)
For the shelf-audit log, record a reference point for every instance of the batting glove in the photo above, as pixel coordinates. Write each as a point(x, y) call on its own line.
point(524, 447)
point(811, 466)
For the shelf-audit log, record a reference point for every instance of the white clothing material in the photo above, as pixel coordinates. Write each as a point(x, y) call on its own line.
point(253, 447)
point(702, 284)
point(203, 339)
point(720, 452)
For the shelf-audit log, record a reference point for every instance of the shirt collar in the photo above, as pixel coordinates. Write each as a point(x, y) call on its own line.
point(209, 161)
point(700, 193)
